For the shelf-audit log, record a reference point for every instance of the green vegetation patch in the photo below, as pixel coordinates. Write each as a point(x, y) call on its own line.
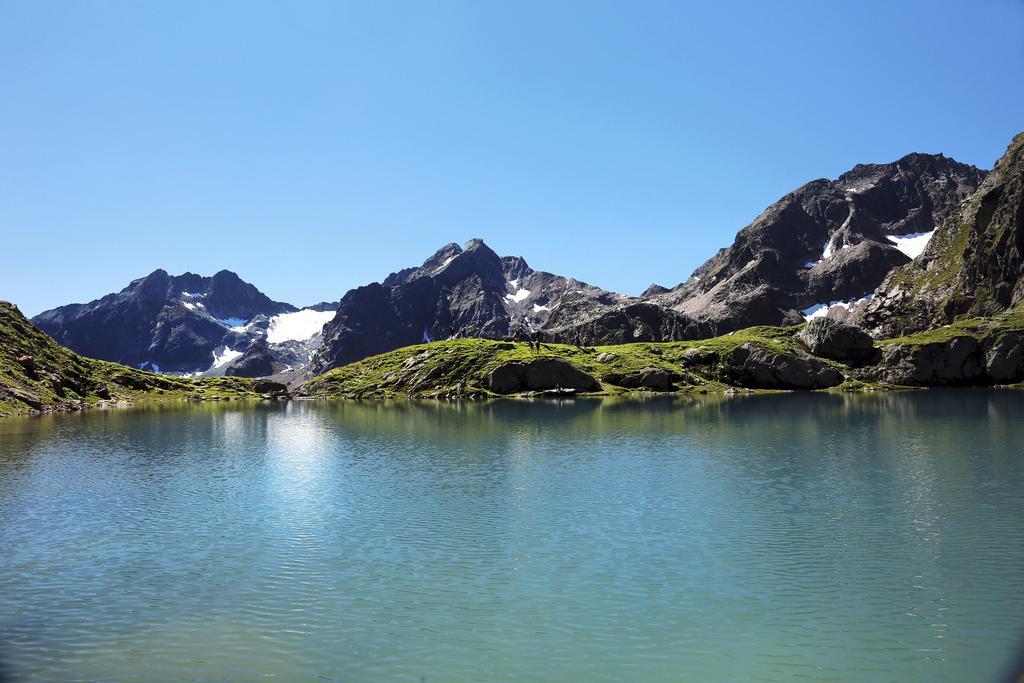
point(978, 328)
point(38, 374)
point(460, 367)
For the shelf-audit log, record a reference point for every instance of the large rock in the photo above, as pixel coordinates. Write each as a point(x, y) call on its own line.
point(837, 340)
point(650, 379)
point(1004, 360)
point(269, 388)
point(758, 367)
point(957, 362)
point(542, 374)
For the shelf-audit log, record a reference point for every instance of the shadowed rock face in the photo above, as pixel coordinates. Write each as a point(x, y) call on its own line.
point(758, 367)
point(159, 320)
point(973, 266)
point(257, 361)
point(543, 374)
point(837, 340)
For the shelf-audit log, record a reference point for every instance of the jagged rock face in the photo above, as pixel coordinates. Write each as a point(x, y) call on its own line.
point(464, 291)
point(973, 266)
point(826, 241)
point(176, 324)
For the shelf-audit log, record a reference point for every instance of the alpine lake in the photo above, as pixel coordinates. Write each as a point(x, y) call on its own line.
point(789, 537)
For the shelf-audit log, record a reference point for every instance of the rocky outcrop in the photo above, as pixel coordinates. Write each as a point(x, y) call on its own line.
point(269, 389)
point(624, 324)
point(833, 339)
point(1004, 358)
point(959, 360)
point(543, 374)
point(648, 379)
point(956, 362)
point(973, 266)
point(257, 361)
point(759, 367)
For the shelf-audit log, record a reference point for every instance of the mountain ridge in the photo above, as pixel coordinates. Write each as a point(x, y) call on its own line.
point(821, 250)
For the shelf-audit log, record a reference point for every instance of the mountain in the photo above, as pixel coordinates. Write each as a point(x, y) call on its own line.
point(821, 250)
point(37, 374)
point(827, 242)
point(185, 324)
point(460, 290)
point(973, 267)
point(830, 242)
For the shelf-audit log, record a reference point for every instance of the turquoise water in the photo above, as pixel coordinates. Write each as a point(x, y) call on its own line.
point(771, 538)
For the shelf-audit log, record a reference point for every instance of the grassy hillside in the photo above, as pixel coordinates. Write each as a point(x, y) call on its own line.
point(460, 367)
point(38, 374)
point(981, 329)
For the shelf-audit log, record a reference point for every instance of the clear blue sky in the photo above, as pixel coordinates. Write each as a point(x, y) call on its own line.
point(316, 146)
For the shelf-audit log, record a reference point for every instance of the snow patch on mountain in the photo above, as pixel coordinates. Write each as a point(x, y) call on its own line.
point(298, 326)
point(518, 296)
point(822, 310)
point(912, 245)
point(223, 356)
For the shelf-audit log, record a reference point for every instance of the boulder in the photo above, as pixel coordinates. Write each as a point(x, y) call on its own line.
point(1004, 360)
point(699, 356)
point(838, 340)
point(542, 374)
point(958, 361)
point(271, 389)
point(28, 364)
point(29, 398)
point(651, 379)
point(758, 367)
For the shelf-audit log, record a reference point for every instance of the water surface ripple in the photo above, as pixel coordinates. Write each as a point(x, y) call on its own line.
point(769, 538)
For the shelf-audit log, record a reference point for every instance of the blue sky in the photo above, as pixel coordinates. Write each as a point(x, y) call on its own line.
point(316, 146)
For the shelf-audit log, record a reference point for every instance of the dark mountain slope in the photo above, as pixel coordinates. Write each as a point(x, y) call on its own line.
point(164, 322)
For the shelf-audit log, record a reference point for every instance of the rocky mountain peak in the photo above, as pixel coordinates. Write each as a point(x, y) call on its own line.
point(175, 323)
